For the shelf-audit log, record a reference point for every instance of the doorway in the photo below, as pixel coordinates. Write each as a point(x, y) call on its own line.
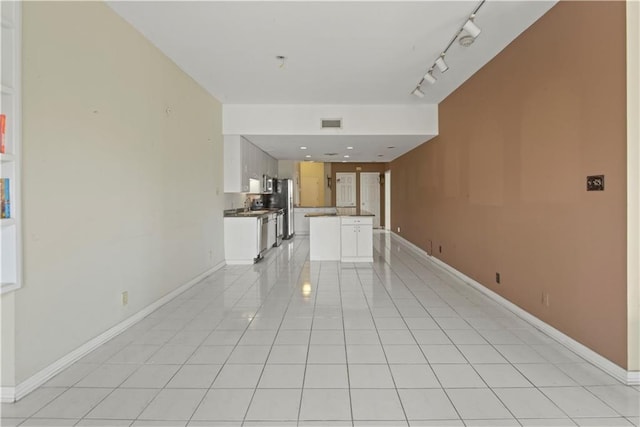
point(370, 195)
point(345, 189)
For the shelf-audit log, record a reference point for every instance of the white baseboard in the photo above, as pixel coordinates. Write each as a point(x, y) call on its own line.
point(622, 375)
point(12, 394)
point(240, 262)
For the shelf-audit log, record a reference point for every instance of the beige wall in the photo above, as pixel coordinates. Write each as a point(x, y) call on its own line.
point(502, 188)
point(312, 183)
point(122, 178)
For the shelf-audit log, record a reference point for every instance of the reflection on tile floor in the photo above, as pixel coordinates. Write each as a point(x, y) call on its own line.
point(289, 342)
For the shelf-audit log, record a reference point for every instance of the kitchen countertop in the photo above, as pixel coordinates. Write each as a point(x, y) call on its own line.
point(356, 211)
point(241, 213)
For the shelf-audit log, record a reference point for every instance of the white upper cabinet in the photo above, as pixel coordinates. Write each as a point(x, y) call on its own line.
point(244, 161)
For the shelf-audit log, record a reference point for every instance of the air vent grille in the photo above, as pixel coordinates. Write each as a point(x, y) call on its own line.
point(330, 154)
point(331, 123)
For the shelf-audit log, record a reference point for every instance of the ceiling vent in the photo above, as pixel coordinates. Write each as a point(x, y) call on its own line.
point(331, 123)
point(330, 154)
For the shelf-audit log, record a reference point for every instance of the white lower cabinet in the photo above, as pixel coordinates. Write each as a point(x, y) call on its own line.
point(356, 239)
point(241, 239)
point(324, 244)
point(271, 236)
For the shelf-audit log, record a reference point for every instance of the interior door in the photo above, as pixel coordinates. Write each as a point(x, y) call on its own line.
point(345, 189)
point(370, 195)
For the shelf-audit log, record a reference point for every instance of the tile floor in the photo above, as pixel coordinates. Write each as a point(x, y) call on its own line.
point(288, 342)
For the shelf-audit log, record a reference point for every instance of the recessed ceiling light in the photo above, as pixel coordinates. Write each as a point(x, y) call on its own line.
point(303, 148)
point(349, 148)
point(308, 155)
point(346, 156)
point(344, 161)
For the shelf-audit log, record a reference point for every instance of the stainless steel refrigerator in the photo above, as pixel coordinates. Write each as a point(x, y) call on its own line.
point(282, 197)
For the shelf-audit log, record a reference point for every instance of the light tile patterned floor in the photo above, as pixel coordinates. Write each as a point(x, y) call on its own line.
point(288, 342)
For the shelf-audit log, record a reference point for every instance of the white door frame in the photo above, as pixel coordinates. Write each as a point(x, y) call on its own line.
point(387, 200)
point(340, 175)
point(372, 206)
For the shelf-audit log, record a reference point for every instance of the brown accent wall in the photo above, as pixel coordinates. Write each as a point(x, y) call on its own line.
point(364, 167)
point(502, 188)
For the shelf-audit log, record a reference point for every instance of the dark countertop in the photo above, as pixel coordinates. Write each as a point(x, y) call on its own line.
point(241, 213)
point(356, 211)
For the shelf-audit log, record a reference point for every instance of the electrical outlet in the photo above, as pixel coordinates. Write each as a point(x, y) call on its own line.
point(546, 300)
point(440, 249)
point(125, 298)
point(398, 229)
point(497, 277)
point(542, 298)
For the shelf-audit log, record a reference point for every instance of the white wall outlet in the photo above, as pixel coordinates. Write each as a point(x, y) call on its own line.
point(398, 229)
point(125, 298)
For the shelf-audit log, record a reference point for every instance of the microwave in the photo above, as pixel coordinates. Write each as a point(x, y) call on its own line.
point(267, 184)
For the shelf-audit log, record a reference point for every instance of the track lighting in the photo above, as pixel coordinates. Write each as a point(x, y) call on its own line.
point(417, 92)
point(465, 40)
point(429, 77)
point(442, 66)
point(471, 28)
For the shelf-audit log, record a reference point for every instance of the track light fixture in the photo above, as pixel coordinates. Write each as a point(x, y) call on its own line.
point(442, 66)
point(429, 77)
point(471, 29)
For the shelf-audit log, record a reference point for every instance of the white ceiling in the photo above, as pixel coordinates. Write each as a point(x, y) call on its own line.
point(337, 52)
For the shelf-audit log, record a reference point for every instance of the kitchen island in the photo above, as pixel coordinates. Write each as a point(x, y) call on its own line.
point(346, 235)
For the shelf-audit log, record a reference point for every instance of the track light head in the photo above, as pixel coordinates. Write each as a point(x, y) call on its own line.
point(471, 28)
point(442, 66)
point(417, 92)
point(429, 77)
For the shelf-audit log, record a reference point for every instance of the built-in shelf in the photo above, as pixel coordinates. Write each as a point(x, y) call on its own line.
point(7, 157)
point(10, 162)
point(7, 222)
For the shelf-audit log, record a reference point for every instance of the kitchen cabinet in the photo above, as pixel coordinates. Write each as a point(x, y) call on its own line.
point(244, 161)
point(301, 222)
point(242, 239)
point(356, 239)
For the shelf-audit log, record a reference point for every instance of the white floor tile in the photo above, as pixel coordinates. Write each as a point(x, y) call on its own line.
point(520, 354)
point(123, 404)
point(282, 376)
point(289, 337)
point(404, 354)
point(502, 375)
point(134, 353)
point(602, 422)
point(223, 405)
point(481, 354)
point(172, 354)
point(475, 404)
point(105, 423)
point(72, 375)
point(414, 376)
point(545, 375)
point(51, 422)
point(547, 422)
point(370, 376)
point(74, 403)
point(504, 422)
point(210, 355)
point(238, 376)
point(433, 336)
point(376, 404)
point(258, 337)
point(396, 336)
point(427, 404)
point(194, 376)
point(327, 354)
point(325, 405)
point(578, 402)
point(31, 403)
point(173, 404)
point(365, 354)
point(421, 323)
point(275, 405)
point(249, 354)
point(331, 337)
point(458, 376)
point(223, 338)
point(108, 376)
point(625, 400)
point(465, 336)
point(288, 354)
point(442, 354)
point(150, 376)
point(587, 374)
point(528, 403)
point(326, 376)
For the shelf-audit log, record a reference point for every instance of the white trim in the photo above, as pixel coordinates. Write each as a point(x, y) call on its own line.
point(622, 375)
point(7, 394)
point(240, 262)
point(12, 394)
